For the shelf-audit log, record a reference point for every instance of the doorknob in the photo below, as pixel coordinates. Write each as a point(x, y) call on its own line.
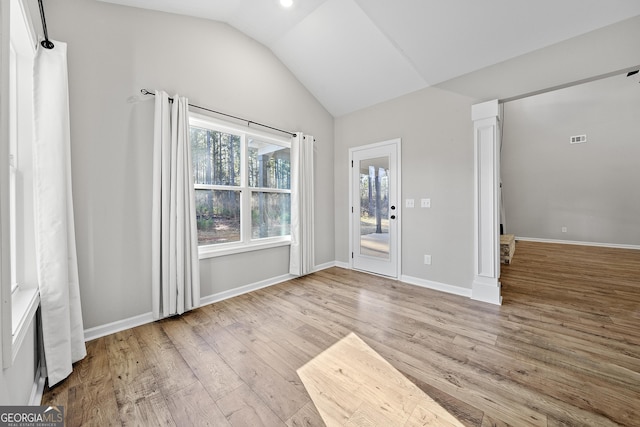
point(393, 208)
point(393, 217)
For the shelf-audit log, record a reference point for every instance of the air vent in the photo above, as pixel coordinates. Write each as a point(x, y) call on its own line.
point(578, 139)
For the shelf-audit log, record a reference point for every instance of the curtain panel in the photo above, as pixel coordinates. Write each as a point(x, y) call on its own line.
point(301, 260)
point(56, 258)
point(175, 263)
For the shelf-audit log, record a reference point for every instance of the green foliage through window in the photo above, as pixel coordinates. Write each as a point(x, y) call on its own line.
point(237, 199)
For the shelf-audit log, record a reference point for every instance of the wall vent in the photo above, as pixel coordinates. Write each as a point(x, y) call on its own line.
point(578, 139)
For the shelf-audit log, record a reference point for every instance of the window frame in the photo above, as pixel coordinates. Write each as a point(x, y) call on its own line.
point(20, 297)
point(246, 242)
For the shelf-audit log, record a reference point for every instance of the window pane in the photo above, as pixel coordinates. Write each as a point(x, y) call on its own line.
point(215, 156)
point(270, 214)
point(218, 216)
point(269, 165)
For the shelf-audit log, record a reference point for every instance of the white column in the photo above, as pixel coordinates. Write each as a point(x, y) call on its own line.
point(486, 286)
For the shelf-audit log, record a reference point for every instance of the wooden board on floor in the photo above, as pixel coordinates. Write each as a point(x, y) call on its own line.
point(351, 384)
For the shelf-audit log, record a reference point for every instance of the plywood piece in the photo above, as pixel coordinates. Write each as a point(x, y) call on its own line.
point(352, 385)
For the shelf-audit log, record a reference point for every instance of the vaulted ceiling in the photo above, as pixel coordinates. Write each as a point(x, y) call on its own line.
point(353, 54)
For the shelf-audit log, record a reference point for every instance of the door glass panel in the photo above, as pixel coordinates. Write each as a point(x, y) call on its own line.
point(374, 207)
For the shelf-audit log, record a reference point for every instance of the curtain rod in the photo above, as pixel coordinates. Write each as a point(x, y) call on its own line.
point(45, 43)
point(249, 122)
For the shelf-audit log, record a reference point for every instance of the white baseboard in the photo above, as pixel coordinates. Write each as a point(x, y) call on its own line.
point(244, 289)
point(132, 322)
point(574, 242)
point(344, 265)
point(486, 290)
point(324, 266)
point(117, 326)
point(437, 286)
point(142, 319)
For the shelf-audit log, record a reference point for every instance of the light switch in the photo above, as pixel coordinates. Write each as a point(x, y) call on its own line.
point(410, 203)
point(425, 203)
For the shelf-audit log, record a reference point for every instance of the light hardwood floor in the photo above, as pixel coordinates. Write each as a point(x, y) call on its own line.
point(563, 349)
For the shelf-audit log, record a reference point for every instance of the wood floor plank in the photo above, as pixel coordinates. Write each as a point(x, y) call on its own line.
point(307, 416)
point(163, 357)
point(209, 368)
point(282, 397)
point(193, 406)
point(280, 356)
point(243, 407)
point(466, 414)
point(136, 390)
point(92, 405)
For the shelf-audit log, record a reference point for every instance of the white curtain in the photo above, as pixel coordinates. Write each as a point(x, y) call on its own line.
point(56, 262)
point(175, 268)
point(301, 255)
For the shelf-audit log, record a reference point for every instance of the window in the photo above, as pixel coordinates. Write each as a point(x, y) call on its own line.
point(18, 290)
point(242, 185)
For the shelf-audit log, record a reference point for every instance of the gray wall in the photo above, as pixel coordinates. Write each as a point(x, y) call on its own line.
point(592, 188)
point(437, 136)
point(113, 52)
point(437, 163)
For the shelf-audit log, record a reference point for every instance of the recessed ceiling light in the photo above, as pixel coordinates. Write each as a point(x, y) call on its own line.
point(286, 3)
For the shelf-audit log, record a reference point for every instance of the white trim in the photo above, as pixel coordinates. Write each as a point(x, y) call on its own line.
point(212, 251)
point(132, 322)
point(220, 296)
point(436, 286)
point(246, 243)
point(24, 303)
point(486, 213)
point(579, 243)
point(344, 265)
point(205, 121)
point(143, 319)
point(396, 144)
point(35, 398)
point(117, 326)
point(485, 110)
point(18, 30)
point(486, 291)
point(325, 266)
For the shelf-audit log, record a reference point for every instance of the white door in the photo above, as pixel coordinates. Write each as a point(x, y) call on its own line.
point(375, 213)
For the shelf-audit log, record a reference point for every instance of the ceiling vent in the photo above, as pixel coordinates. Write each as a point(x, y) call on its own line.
point(578, 139)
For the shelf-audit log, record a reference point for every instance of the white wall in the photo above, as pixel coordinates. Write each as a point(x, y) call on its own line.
point(591, 188)
point(113, 52)
point(437, 162)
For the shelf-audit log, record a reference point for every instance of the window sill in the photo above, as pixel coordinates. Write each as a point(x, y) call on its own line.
point(24, 303)
point(212, 251)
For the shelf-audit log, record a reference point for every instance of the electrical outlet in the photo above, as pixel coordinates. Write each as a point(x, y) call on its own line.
point(410, 203)
point(425, 203)
point(564, 229)
point(427, 259)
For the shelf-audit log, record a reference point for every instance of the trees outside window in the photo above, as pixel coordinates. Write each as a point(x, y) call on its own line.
point(242, 182)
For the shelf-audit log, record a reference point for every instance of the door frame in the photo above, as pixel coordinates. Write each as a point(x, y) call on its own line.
point(397, 144)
